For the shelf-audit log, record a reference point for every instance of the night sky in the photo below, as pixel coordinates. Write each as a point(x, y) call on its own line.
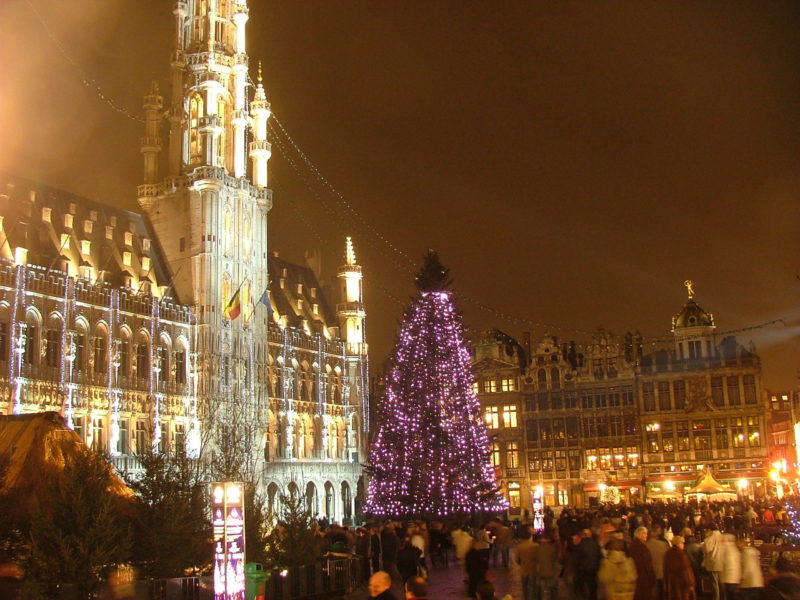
point(572, 162)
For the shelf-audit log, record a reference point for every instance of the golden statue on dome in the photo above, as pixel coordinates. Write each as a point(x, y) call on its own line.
point(689, 288)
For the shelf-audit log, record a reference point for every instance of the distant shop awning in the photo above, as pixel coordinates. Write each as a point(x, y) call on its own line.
point(708, 487)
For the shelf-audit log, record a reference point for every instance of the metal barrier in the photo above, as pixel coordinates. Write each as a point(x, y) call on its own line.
point(181, 588)
point(331, 578)
point(325, 578)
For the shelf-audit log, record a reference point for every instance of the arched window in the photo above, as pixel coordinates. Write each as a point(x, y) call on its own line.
point(180, 364)
point(312, 500)
point(32, 331)
point(52, 351)
point(299, 438)
point(330, 501)
point(542, 377)
point(222, 113)
point(347, 501)
point(555, 378)
point(124, 352)
point(247, 238)
point(143, 357)
point(79, 338)
point(272, 494)
point(196, 113)
point(163, 356)
point(100, 351)
point(227, 230)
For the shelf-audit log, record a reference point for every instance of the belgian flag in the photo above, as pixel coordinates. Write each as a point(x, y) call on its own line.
point(234, 307)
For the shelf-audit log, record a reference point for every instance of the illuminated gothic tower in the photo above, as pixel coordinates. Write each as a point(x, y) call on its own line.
point(211, 219)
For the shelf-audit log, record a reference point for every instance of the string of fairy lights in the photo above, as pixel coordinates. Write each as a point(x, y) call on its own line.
point(298, 161)
point(87, 81)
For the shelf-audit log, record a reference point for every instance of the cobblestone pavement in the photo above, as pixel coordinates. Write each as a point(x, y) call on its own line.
point(448, 582)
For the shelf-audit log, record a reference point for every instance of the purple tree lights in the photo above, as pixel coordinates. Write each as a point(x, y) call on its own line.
point(430, 456)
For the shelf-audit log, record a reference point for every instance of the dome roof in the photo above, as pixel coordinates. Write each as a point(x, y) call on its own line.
point(692, 315)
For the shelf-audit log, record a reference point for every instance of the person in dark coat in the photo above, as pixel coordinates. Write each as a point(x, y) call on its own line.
point(645, 574)
point(408, 559)
point(785, 585)
point(587, 562)
point(477, 562)
point(679, 582)
point(389, 546)
point(374, 548)
point(694, 551)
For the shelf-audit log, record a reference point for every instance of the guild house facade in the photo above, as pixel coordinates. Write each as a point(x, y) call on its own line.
point(576, 424)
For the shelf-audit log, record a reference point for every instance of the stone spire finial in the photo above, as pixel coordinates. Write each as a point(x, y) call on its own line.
point(350, 254)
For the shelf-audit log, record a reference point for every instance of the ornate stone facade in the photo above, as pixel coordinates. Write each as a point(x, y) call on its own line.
point(571, 421)
point(253, 349)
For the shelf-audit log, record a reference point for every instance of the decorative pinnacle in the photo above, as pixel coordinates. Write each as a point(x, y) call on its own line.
point(260, 75)
point(689, 288)
point(349, 253)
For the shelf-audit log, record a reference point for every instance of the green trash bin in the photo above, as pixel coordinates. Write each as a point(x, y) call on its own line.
point(255, 581)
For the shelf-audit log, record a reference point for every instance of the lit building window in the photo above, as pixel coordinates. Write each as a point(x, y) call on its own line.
point(475, 388)
point(591, 460)
point(489, 386)
point(508, 385)
point(98, 435)
point(513, 494)
point(512, 455)
point(493, 417)
point(753, 433)
point(495, 454)
point(738, 433)
point(605, 459)
point(510, 415)
point(196, 112)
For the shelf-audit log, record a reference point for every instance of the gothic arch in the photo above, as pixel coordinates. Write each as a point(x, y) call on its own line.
point(347, 502)
point(312, 498)
point(33, 332)
point(273, 498)
point(99, 356)
point(80, 334)
point(196, 110)
point(125, 336)
point(329, 506)
point(52, 341)
point(142, 353)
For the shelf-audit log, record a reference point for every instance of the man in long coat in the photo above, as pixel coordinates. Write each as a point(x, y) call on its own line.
point(645, 574)
point(679, 580)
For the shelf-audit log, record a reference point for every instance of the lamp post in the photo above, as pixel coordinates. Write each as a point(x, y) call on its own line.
point(743, 485)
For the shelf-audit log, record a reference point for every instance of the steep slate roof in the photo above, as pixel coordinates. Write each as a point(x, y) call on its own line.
point(25, 224)
point(288, 284)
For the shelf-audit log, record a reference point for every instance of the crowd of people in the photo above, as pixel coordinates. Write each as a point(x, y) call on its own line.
point(659, 551)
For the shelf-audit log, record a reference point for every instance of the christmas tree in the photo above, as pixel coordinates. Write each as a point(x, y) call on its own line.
point(791, 532)
point(430, 456)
